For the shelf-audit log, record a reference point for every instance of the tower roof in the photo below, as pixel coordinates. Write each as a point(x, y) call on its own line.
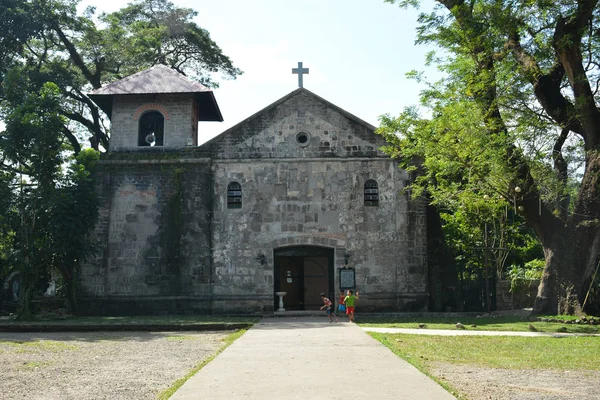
point(159, 79)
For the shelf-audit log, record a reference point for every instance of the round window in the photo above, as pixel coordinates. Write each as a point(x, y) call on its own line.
point(303, 139)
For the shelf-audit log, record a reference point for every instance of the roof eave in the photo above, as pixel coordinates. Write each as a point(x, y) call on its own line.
point(104, 101)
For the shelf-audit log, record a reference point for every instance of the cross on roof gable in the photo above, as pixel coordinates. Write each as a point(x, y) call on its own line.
point(282, 100)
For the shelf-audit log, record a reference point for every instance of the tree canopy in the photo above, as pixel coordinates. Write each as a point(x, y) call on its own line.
point(49, 41)
point(515, 120)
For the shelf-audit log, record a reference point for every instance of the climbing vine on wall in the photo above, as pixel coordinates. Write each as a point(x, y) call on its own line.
point(174, 228)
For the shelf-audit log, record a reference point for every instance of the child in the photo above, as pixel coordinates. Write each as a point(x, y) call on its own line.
point(349, 301)
point(327, 306)
point(341, 305)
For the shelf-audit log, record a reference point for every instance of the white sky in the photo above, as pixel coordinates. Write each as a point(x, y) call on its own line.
point(358, 52)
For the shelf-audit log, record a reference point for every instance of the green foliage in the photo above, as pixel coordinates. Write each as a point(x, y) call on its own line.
point(31, 147)
point(531, 271)
point(517, 108)
point(149, 32)
point(73, 215)
point(522, 277)
point(47, 212)
point(52, 42)
point(18, 26)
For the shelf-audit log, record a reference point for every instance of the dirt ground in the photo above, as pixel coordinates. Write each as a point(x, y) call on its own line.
point(478, 383)
point(102, 365)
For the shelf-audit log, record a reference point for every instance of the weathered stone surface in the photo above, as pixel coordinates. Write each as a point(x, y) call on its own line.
point(170, 244)
point(176, 108)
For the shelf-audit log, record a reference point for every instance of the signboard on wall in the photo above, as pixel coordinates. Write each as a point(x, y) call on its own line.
point(347, 278)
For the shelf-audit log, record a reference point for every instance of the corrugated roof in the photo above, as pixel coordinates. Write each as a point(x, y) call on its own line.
point(158, 79)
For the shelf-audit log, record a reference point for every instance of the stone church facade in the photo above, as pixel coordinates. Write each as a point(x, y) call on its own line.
point(280, 202)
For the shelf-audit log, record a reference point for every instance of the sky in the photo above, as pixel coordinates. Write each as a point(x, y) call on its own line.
point(357, 52)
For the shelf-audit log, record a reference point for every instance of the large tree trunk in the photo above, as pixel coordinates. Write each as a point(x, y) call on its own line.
point(569, 254)
point(572, 250)
point(571, 240)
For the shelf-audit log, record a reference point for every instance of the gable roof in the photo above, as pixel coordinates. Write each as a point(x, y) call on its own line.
point(283, 100)
point(158, 79)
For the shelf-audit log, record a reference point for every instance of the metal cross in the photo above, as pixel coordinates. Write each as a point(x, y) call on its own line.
point(300, 71)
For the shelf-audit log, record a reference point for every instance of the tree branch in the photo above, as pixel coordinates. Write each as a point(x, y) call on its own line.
point(567, 44)
point(72, 139)
point(546, 87)
point(76, 57)
point(94, 126)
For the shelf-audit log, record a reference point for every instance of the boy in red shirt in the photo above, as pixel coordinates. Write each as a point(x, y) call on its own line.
point(341, 304)
point(327, 306)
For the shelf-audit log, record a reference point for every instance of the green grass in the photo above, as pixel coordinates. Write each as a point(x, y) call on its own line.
point(418, 362)
point(179, 338)
point(179, 382)
point(566, 353)
point(137, 320)
point(500, 323)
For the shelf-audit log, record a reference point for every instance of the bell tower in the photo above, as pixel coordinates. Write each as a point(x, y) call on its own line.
point(158, 107)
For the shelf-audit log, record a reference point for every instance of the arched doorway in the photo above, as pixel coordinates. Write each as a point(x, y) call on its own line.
point(304, 272)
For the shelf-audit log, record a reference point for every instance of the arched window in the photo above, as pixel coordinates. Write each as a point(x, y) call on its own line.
point(234, 195)
point(371, 193)
point(151, 130)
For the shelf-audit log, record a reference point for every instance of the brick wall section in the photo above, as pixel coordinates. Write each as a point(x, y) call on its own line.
point(179, 126)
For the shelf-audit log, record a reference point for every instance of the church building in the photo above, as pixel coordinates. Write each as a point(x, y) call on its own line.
point(297, 198)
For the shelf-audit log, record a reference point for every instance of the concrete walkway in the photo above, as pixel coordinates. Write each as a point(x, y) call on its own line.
point(450, 332)
point(310, 359)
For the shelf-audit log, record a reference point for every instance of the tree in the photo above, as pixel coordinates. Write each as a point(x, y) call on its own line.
point(73, 215)
point(50, 42)
point(31, 146)
point(47, 214)
point(515, 116)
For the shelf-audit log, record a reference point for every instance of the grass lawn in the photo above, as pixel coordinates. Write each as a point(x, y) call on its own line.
point(566, 353)
point(137, 320)
point(486, 357)
point(498, 323)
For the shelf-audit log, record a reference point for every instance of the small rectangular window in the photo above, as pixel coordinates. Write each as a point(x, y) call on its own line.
point(234, 195)
point(371, 193)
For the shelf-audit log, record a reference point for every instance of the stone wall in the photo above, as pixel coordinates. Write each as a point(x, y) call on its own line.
point(153, 233)
point(178, 111)
point(169, 243)
point(273, 132)
point(298, 202)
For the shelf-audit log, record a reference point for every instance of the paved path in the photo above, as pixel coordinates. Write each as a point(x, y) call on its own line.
point(310, 359)
point(448, 332)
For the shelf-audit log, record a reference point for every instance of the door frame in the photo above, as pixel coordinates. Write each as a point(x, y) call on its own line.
point(303, 251)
